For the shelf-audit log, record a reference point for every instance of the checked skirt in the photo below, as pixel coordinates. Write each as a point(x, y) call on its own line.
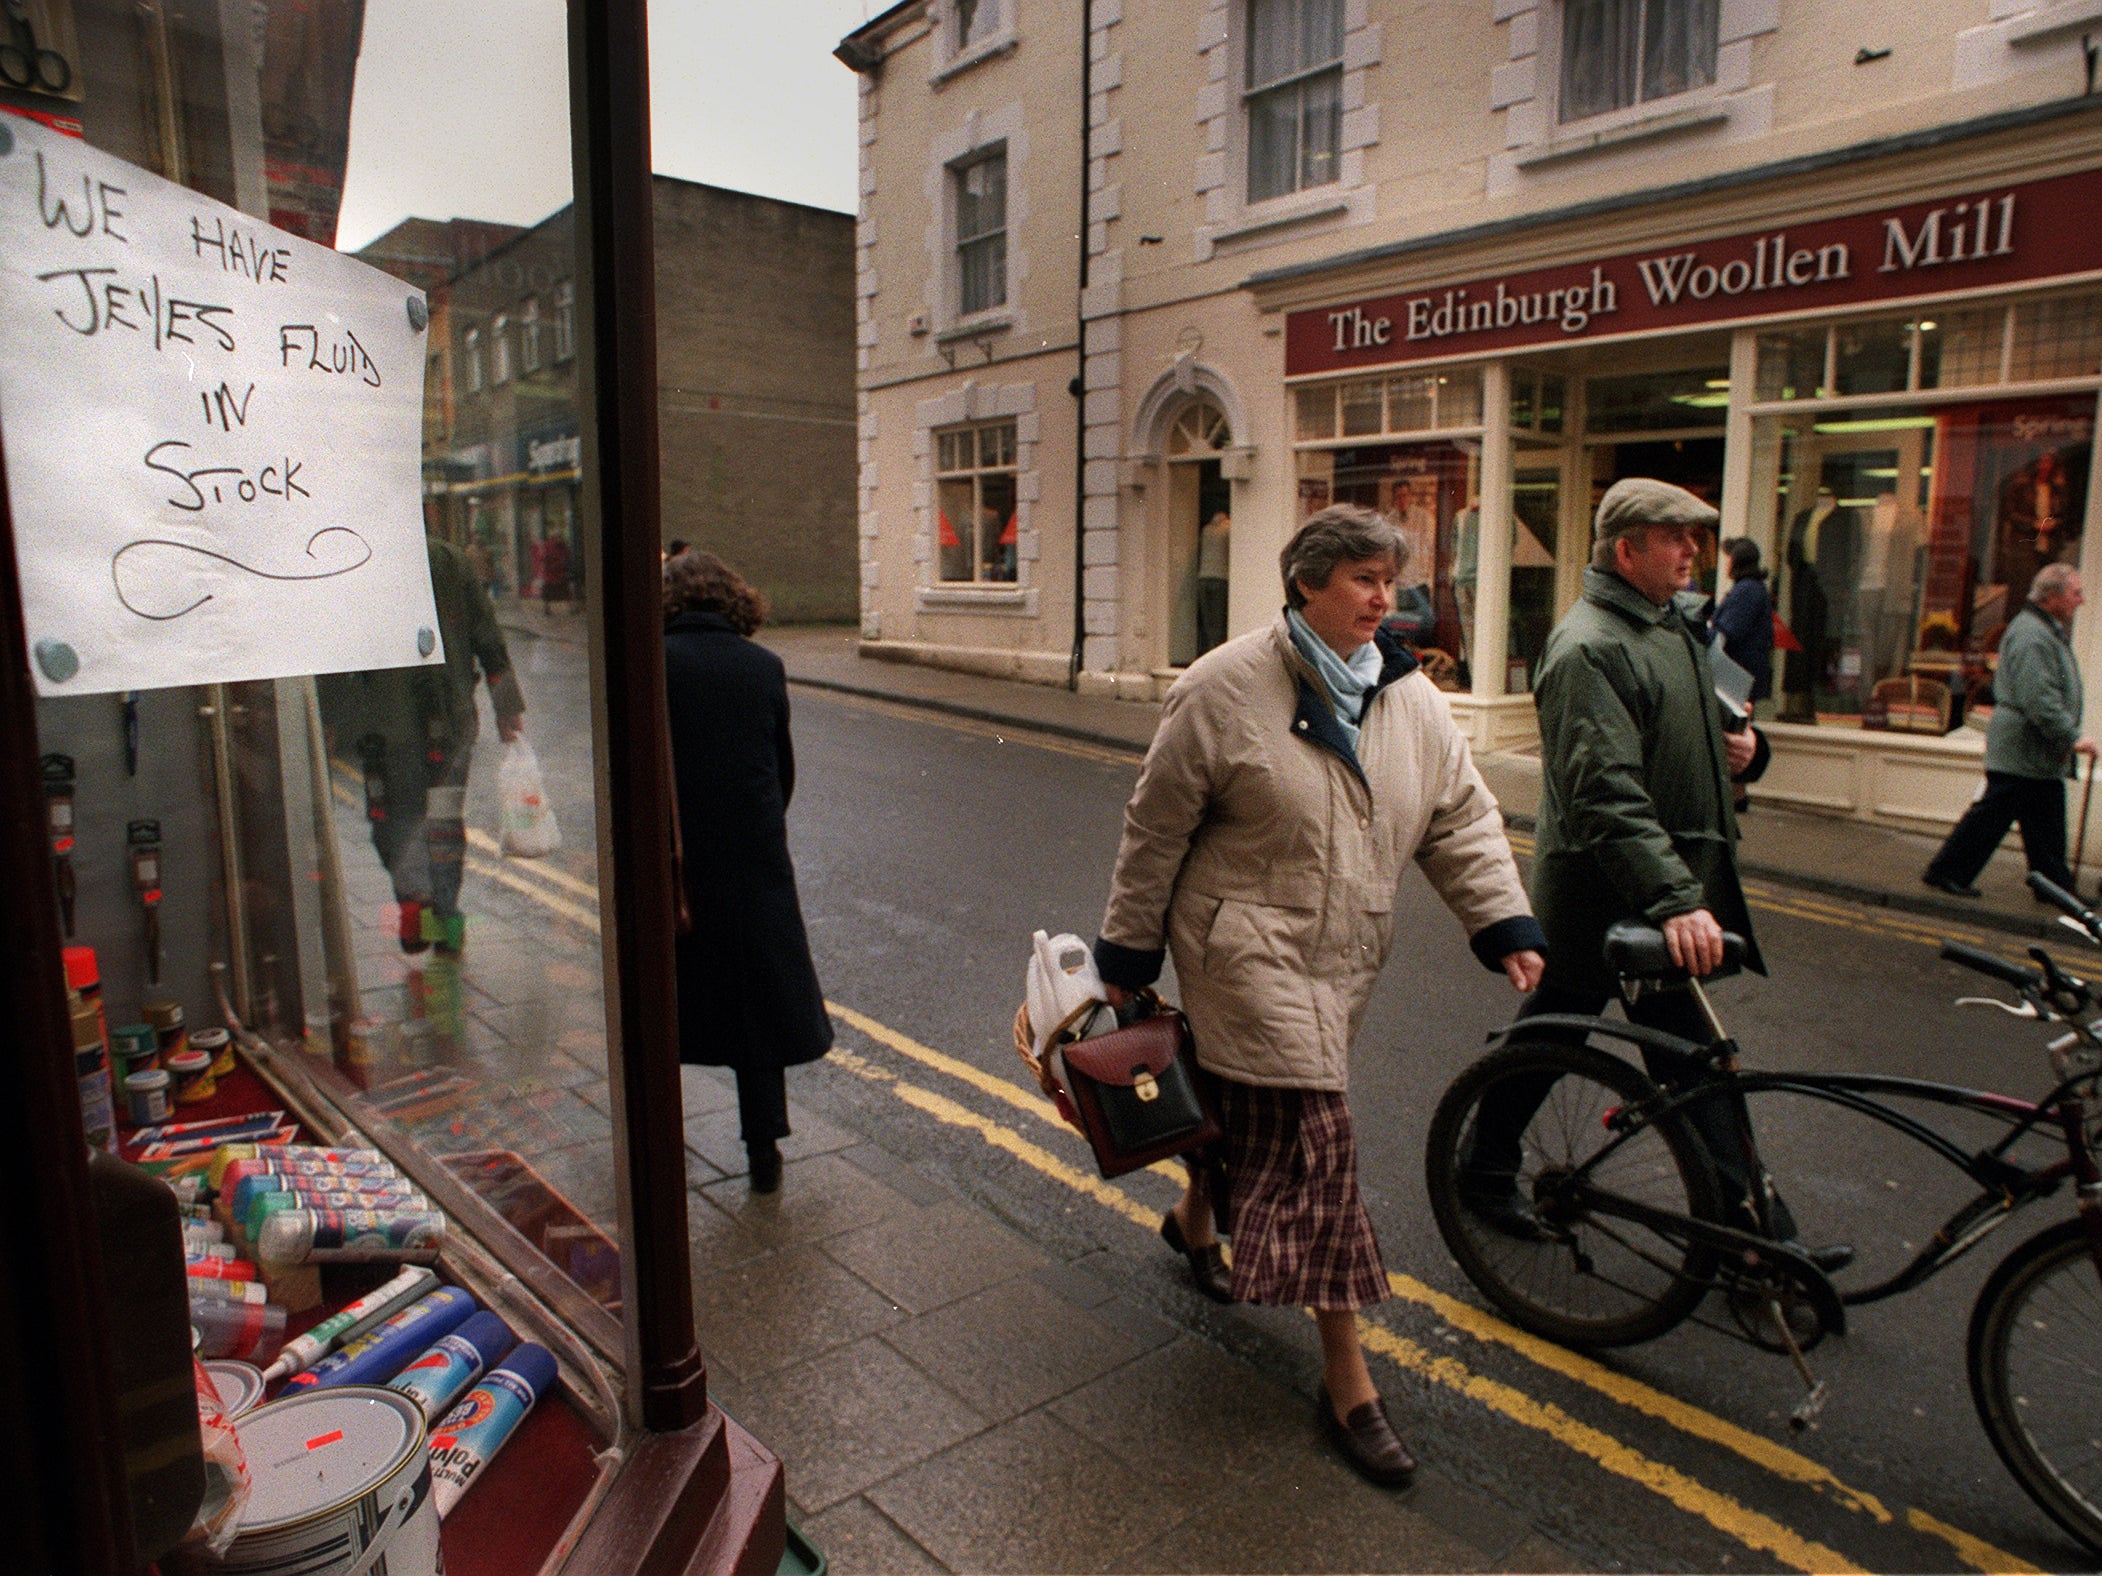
point(1301, 1237)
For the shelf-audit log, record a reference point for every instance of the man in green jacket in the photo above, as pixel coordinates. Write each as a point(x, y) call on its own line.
point(2029, 745)
point(1637, 764)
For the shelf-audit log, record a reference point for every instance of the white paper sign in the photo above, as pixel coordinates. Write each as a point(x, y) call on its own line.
point(213, 435)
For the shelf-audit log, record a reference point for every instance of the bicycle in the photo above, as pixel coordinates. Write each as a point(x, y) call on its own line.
point(1625, 1229)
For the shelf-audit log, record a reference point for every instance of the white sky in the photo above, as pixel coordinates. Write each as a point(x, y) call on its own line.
point(461, 106)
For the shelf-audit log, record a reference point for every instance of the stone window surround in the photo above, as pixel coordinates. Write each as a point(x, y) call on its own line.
point(979, 132)
point(972, 403)
point(1229, 221)
point(950, 61)
point(2021, 37)
point(1538, 146)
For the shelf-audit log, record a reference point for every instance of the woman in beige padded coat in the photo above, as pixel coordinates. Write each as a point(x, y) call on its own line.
point(1296, 770)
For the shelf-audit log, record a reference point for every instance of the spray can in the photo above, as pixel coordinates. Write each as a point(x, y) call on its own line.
point(434, 1380)
point(350, 1236)
point(489, 1414)
point(217, 1269)
point(379, 1354)
point(251, 1331)
point(373, 1308)
point(392, 1197)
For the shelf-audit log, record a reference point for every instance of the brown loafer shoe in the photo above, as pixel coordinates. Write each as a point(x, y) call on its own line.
point(1368, 1442)
point(1207, 1264)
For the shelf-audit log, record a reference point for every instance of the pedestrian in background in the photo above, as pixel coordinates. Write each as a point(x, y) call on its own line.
point(1214, 556)
point(2030, 744)
point(1295, 771)
point(1745, 618)
point(748, 992)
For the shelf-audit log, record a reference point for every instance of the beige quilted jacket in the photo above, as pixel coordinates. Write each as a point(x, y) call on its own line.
point(1266, 856)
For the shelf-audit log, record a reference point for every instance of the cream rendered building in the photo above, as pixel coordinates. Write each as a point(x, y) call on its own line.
point(1836, 264)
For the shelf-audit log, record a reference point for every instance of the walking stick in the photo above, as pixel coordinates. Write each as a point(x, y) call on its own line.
point(2080, 838)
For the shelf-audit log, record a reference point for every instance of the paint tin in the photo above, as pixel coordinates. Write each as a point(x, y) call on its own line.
point(192, 1072)
point(320, 1037)
point(167, 1020)
point(218, 1045)
point(341, 1483)
point(146, 1096)
point(137, 1047)
point(240, 1385)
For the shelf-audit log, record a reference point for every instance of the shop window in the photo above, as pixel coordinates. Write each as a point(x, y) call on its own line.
point(1537, 400)
point(1906, 536)
point(1617, 54)
point(1692, 399)
point(1373, 407)
point(977, 525)
point(529, 335)
point(981, 233)
point(565, 320)
point(2059, 338)
point(1294, 98)
point(2028, 341)
point(1432, 491)
point(500, 349)
point(471, 359)
point(972, 23)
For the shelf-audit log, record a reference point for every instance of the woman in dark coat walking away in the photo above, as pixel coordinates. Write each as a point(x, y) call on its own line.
point(748, 993)
point(1745, 620)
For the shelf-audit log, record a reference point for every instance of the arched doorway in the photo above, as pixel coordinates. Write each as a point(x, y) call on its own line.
point(1199, 500)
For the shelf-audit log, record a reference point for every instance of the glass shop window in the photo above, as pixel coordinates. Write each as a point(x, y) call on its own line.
point(2030, 341)
point(977, 520)
point(1396, 403)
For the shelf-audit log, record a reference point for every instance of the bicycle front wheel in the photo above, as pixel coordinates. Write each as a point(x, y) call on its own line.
point(1530, 1167)
point(2035, 1361)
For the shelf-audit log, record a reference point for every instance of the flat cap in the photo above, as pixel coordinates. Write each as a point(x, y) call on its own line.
point(1639, 500)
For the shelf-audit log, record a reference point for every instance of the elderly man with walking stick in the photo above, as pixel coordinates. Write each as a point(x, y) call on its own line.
point(2030, 745)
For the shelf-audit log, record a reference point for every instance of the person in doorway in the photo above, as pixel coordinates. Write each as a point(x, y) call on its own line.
point(748, 991)
point(1213, 542)
point(2030, 745)
point(414, 730)
point(552, 567)
point(1295, 771)
point(1635, 824)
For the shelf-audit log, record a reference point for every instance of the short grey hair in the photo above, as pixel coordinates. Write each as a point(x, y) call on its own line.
point(2051, 580)
point(1342, 533)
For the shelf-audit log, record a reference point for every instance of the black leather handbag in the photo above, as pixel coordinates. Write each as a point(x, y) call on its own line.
point(1136, 1093)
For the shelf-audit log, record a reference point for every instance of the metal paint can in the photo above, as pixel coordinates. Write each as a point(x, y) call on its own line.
point(192, 1072)
point(218, 1045)
point(137, 1047)
point(146, 1096)
point(341, 1483)
point(240, 1385)
point(167, 1020)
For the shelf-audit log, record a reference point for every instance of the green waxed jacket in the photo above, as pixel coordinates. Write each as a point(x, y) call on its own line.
point(1635, 816)
point(2037, 699)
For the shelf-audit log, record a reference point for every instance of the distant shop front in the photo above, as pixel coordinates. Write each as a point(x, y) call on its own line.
point(1896, 402)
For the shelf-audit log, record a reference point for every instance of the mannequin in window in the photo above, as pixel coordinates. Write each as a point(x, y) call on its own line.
point(1824, 550)
point(2038, 522)
point(1213, 542)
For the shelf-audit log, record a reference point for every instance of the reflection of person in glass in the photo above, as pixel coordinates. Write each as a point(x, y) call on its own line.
point(748, 993)
point(1214, 541)
point(414, 729)
point(2036, 521)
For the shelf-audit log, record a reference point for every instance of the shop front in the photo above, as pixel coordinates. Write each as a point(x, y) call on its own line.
point(1895, 401)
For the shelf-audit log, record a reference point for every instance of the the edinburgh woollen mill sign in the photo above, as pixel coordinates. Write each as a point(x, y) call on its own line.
point(2002, 236)
point(212, 432)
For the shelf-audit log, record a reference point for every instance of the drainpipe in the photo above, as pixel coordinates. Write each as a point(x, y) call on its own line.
point(1078, 387)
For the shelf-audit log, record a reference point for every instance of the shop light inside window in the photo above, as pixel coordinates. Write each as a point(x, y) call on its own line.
point(1877, 424)
point(1703, 401)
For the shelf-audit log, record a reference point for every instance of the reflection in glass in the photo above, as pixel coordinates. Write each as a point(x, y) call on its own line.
point(1658, 401)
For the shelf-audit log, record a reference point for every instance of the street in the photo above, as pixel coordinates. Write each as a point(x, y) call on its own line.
point(929, 846)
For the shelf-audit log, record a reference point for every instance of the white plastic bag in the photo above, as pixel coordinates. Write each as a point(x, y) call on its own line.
point(526, 820)
point(1062, 982)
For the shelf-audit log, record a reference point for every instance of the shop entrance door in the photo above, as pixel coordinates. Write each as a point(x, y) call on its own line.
point(1199, 532)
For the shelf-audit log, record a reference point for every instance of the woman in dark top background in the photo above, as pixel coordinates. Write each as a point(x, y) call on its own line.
point(748, 993)
point(1745, 620)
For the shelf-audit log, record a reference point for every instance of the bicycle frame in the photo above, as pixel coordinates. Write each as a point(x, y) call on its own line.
point(2005, 1187)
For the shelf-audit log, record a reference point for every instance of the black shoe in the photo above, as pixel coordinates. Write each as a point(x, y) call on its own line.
point(1366, 1439)
point(1953, 888)
point(1499, 1205)
point(765, 1163)
point(1831, 1258)
point(1207, 1264)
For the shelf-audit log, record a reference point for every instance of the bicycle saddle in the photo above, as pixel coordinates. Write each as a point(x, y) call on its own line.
point(1637, 951)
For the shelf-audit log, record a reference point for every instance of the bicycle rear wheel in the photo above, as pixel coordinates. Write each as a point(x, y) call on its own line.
point(1590, 1276)
point(2035, 1358)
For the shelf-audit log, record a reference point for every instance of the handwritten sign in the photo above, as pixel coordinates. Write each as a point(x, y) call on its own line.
point(213, 435)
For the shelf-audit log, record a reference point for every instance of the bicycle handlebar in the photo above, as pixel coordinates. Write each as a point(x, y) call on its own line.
point(1985, 963)
point(2051, 892)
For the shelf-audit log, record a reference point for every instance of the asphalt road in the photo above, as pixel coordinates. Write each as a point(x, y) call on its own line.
point(929, 848)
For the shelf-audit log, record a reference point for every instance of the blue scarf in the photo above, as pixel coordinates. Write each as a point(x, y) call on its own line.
point(1347, 680)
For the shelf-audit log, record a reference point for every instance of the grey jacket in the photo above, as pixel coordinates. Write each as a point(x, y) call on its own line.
point(1265, 852)
point(2037, 699)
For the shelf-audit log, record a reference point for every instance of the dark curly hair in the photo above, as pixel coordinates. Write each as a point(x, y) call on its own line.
point(694, 581)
